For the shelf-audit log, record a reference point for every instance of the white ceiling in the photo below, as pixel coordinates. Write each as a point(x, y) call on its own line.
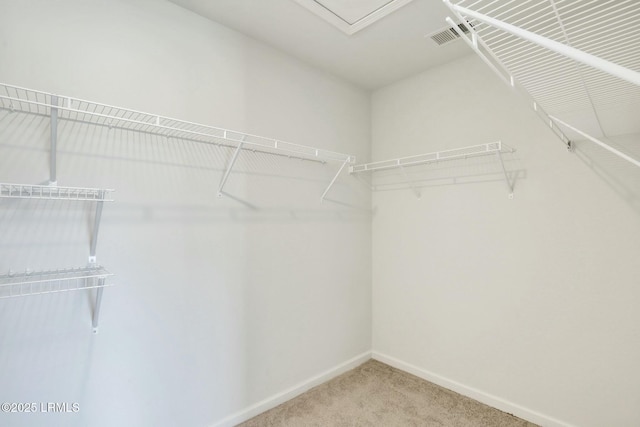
point(388, 50)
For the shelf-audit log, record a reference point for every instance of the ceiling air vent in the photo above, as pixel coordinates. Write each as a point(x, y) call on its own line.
point(447, 35)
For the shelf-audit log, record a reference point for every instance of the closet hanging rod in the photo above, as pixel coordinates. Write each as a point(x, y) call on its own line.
point(457, 153)
point(38, 102)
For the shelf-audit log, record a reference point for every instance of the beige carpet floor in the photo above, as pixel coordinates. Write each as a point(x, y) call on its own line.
point(375, 394)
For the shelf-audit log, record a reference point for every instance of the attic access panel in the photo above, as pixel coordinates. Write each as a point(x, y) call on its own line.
point(352, 16)
point(353, 11)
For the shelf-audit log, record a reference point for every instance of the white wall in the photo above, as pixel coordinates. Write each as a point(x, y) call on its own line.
point(529, 304)
point(219, 303)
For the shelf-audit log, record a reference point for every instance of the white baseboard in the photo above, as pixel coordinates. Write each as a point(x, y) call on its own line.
point(277, 399)
point(479, 395)
point(473, 393)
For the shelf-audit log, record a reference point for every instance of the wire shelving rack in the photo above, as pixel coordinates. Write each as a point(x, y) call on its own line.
point(54, 192)
point(15, 98)
point(436, 157)
point(577, 61)
point(52, 281)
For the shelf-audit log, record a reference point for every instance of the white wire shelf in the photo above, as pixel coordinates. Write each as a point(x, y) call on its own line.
point(31, 101)
point(594, 98)
point(52, 281)
point(420, 159)
point(52, 192)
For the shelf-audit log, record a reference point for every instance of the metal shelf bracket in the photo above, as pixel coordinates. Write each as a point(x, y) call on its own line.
point(54, 140)
point(92, 260)
point(598, 142)
point(506, 176)
point(346, 162)
point(411, 183)
point(96, 308)
point(230, 166)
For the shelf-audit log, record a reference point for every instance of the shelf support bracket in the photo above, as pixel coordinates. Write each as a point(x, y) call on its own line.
point(231, 163)
point(348, 160)
point(96, 309)
point(504, 171)
point(598, 142)
point(411, 183)
point(54, 140)
point(96, 228)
